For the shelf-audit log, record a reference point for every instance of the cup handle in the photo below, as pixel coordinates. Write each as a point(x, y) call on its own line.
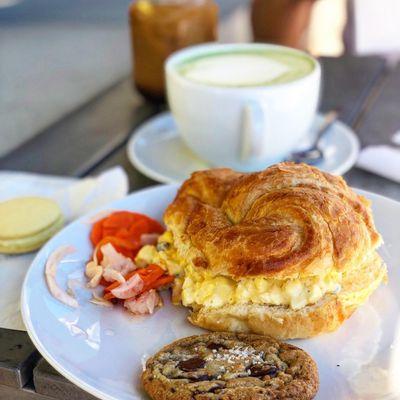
point(252, 132)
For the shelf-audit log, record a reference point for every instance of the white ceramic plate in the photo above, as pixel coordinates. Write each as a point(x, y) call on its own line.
point(157, 150)
point(101, 350)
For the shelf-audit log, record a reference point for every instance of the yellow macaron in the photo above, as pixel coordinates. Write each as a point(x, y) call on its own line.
point(26, 223)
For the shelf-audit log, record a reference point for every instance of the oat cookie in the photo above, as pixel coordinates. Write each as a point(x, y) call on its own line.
point(229, 366)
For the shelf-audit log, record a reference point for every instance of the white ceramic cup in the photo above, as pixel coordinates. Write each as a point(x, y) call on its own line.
point(245, 128)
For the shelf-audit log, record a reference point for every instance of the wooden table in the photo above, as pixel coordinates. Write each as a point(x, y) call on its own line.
point(93, 138)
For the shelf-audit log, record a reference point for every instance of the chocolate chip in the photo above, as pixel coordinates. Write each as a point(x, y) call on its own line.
point(192, 364)
point(216, 388)
point(263, 370)
point(202, 378)
point(216, 346)
point(213, 389)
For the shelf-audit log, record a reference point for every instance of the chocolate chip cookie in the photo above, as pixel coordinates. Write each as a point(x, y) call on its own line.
point(229, 366)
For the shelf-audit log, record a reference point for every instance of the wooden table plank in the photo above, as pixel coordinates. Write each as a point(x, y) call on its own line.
point(18, 356)
point(82, 139)
point(49, 382)
point(380, 120)
point(136, 179)
point(348, 82)
point(8, 393)
point(361, 179)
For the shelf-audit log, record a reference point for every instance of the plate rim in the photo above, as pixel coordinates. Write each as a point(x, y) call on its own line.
point(138, 132)
point(39, 346)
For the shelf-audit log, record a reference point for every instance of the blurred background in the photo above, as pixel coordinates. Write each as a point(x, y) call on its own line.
point(57, 54)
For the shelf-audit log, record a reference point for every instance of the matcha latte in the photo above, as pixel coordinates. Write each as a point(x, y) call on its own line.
point(245, 105)
point(247, 68)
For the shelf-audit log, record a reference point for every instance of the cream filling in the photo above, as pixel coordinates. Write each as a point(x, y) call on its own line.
point(219, 291)
point(244, 70)
point(199, 287)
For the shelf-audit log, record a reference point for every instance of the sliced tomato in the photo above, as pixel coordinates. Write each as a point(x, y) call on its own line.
point(138, 228)
point(109, 232)
point(103, 282)
point(119, 219)
point(163, 281)
point(112, 286)
point(152, 276)
point(155, 227)
point(97, 232)
point(109, 296)
point(125, 225)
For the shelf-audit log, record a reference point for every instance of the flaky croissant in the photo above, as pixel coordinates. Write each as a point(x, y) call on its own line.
point(290, 225)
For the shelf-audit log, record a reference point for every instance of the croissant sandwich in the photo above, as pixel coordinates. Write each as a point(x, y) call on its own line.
point(289, 251)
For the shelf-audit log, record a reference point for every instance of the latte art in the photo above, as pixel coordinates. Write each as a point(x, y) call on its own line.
point(242, 105)
point(244, 69)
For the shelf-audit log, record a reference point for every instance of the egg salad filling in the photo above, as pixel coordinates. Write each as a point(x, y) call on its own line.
point(198, 287)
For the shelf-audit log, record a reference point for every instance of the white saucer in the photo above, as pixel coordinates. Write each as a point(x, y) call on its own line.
point(157, 150)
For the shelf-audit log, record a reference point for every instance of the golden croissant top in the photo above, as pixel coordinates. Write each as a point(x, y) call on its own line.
point(288, 221)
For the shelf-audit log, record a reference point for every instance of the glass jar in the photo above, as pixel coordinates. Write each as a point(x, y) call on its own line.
point(283, 22)
point(160, 27)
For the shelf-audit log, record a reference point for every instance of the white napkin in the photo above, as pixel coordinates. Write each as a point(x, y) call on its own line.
point(383, 17)
point(382, 160)
point(75, 197)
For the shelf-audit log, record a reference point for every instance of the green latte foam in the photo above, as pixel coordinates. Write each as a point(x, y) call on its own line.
point(246, 68)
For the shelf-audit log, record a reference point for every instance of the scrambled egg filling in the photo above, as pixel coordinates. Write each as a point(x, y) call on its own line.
point(200, 287)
